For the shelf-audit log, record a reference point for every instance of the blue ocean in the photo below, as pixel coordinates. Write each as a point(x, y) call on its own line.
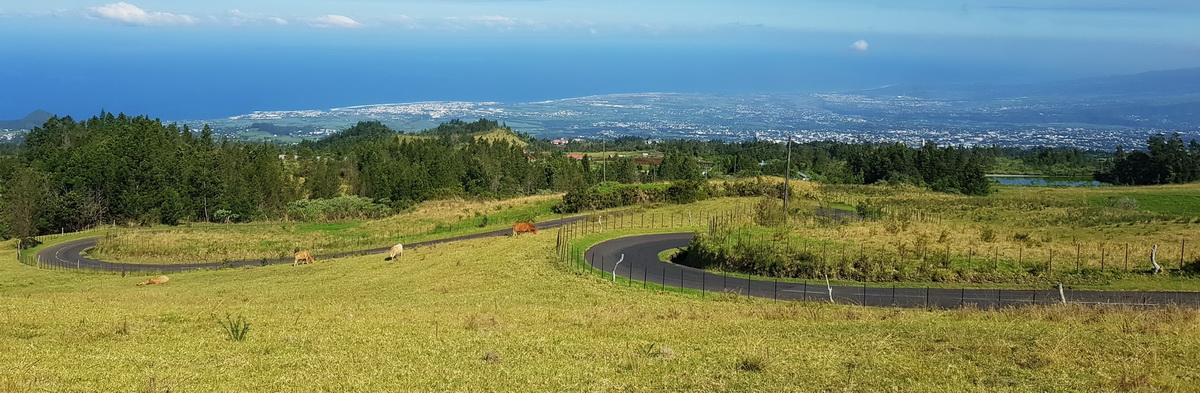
point(224, 76)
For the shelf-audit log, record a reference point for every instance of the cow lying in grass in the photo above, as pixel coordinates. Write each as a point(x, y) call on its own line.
point(523, 227)
point(303, 256)
point(396, 251)
point(156, 280)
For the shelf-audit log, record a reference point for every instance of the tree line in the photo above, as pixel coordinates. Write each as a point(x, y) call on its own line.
point(134, 170)
point(1166, 160)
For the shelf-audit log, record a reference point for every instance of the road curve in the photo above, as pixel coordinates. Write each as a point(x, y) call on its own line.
point(641, 263)
point(69, 254)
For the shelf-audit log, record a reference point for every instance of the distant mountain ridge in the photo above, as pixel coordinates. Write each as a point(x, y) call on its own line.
point(29, 122)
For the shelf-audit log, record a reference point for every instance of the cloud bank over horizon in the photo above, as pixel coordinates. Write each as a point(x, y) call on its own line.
point(133, 15)
point(333, 21)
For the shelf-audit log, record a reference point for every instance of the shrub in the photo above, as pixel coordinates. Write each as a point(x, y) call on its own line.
point(869, 210)
point(687, 191)
point(609, 195)
point(1191, 268)
point(987, 234)
point(339, 208)
point(226, 216)
point(1126, 203)
point(768, 212)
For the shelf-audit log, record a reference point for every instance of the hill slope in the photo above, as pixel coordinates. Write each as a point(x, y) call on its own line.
point(33, 119)
point(501, 315)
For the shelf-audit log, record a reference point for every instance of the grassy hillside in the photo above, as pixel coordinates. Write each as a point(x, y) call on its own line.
point(1003, 240)
point(501, 315)
point(499, 134)
point(216, 243)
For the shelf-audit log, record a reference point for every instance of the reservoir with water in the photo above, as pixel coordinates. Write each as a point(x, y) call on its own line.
point(1045, 181)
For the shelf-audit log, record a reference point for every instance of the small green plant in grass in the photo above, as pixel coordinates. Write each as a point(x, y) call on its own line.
point(752, 363)
point(123, 329)
point(987, 234)
point(656, 351)
point(235, 329)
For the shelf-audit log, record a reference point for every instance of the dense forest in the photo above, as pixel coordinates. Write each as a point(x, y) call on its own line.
point(137, 171)
point(116, 169)
point(1166, 160)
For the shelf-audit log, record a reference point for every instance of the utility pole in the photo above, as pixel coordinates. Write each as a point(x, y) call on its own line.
point(787, 175)
point(604, 164)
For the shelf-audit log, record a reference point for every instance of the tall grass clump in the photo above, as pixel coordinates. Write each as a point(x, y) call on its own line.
point(235, 329)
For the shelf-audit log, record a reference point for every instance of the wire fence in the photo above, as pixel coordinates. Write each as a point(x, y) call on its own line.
point(57, 254)
point(655, 275)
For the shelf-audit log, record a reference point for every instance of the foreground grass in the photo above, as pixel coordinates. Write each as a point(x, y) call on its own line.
point(501, 315)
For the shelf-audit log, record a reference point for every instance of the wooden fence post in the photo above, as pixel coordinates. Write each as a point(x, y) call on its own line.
point(1078, 247)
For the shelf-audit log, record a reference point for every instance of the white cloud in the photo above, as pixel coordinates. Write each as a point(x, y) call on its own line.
point(130, 14)
point(860, 45)
point(334, 21)
point(494, 20)
point(239, 18)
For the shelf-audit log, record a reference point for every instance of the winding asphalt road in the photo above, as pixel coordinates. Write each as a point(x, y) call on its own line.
point(69, 254)
point(641, 263)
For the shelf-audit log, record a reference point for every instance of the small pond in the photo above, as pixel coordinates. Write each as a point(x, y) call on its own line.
point(1045, 181)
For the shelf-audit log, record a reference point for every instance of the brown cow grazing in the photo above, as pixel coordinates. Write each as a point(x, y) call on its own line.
point(156, 280)
point(303, 256)
point(523, 227)
point(396, 251)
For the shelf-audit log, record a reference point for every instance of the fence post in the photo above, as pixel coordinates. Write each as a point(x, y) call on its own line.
point(970, 253)
point(1078, 247)
point(1126, 256)
point(996, 258)
point(748, 285)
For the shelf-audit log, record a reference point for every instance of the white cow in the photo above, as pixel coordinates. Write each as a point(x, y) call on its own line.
point(396, 251)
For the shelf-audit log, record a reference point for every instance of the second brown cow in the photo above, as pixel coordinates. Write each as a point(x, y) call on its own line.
point(523, 227)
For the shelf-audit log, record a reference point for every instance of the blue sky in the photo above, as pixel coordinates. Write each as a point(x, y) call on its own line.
point(193, 59)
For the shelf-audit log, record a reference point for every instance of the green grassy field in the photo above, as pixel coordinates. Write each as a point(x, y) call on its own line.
point(217, 243)
point(502, 314)
point(981, 240)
